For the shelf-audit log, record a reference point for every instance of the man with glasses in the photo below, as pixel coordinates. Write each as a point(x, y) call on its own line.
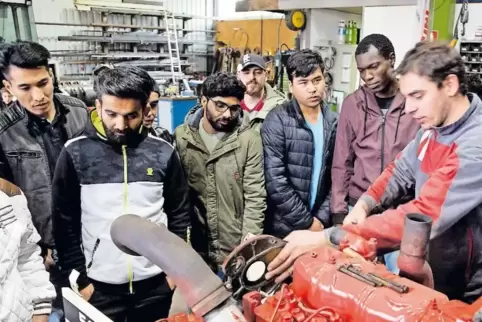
point(223, 159)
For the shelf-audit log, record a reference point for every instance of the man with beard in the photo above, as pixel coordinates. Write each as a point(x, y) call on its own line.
point(223, 159)
point(260, 98)
point(298, 139)
point(115, 169)
point(373, 128)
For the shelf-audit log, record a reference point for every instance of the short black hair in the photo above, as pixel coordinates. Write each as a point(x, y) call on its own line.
point(223, 85)
point(379, 41)
point(23, 54)
point(303, 63)
point(124, 82)
point(435, 60)
point(156, 88)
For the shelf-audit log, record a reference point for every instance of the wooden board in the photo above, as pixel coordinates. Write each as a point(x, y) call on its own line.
point(261, 33)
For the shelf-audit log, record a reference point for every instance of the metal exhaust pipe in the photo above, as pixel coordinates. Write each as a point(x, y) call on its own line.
point(202, 290)
point(414, 248)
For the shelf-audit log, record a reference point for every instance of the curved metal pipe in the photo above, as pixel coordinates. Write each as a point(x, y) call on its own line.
point(414, 248)
point(202, 290)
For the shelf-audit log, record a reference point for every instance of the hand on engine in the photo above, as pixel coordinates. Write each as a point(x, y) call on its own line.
point(299, 243)
point(316, 225)
point(358, 214)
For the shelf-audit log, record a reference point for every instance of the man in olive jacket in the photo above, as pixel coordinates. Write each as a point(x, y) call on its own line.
point(223, 159)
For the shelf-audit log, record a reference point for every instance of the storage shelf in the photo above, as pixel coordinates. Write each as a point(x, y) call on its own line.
point(133, 39)
point(107, 25)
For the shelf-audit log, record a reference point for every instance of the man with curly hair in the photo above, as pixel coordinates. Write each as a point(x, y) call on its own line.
point(223, 158)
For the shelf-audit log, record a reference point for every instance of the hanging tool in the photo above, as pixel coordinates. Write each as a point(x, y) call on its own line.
point(173, 47)
point(463, 18)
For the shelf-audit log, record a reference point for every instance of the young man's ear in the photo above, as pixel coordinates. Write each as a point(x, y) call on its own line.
point(7, 85)
point(204, 102)
point(392, 60)
point(98, 106)
point(290, 87)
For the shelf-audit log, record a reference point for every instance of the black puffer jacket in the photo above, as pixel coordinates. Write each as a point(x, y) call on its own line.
point(288, 160)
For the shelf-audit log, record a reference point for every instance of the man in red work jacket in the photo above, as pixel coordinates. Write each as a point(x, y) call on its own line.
point(442, 165)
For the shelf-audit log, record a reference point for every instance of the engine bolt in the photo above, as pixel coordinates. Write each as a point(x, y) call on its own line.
point(332, 260)
point(314, 255)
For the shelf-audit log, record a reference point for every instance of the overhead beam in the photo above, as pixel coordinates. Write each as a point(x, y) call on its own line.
point(317, 4)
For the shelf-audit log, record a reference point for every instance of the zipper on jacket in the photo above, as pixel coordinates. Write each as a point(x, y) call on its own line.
point(382, 157)
point(130, 273)
point(96, 245)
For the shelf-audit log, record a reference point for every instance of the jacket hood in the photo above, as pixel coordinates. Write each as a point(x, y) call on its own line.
point(195, 115)
point(365, 99)
point(273, 98)
point(96, 128)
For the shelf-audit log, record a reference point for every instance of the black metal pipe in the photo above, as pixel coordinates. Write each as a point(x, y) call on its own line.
point(416, 235)
point(202, 290)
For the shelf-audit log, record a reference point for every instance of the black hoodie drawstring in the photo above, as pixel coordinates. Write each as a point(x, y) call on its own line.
point(365, 109)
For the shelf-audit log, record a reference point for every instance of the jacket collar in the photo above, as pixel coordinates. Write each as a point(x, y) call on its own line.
point(475, 105)
point(294, 111)
point(367, 101)
point(271, 100)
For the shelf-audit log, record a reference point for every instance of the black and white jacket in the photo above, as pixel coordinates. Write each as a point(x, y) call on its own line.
point(95, 182)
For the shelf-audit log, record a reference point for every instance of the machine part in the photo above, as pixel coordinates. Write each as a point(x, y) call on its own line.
point(390, 284)
point(296, 20)
point(366, 249)
point(247, 264)
point(202, 290)
point(356, 275)
point(413, 249)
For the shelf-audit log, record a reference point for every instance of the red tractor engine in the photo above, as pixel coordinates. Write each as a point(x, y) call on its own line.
point(330, 286)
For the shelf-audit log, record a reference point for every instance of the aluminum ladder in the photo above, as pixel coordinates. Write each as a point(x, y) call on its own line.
point(173, 47)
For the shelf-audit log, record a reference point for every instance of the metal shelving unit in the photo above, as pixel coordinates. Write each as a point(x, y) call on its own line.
point(129, 36)
point(471, 52)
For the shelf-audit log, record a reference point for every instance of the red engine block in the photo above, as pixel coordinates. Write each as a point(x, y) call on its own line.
point(320, 292)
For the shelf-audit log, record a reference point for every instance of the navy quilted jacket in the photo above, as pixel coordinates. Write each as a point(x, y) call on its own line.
point(288, 160)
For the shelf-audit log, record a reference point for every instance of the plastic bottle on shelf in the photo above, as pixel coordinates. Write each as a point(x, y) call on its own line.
point(341, 32)
point(354, 33)
point(349, 32)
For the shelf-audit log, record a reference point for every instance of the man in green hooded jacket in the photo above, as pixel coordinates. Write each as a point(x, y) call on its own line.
point(223, 160)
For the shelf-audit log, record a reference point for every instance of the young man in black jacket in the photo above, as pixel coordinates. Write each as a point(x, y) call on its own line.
point(298, 140)
point(116, 169)
point(33, 130)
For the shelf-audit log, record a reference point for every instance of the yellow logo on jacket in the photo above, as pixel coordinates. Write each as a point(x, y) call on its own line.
point(150, 172)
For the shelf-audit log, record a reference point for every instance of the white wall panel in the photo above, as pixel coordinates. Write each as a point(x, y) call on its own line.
point(389, 21)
